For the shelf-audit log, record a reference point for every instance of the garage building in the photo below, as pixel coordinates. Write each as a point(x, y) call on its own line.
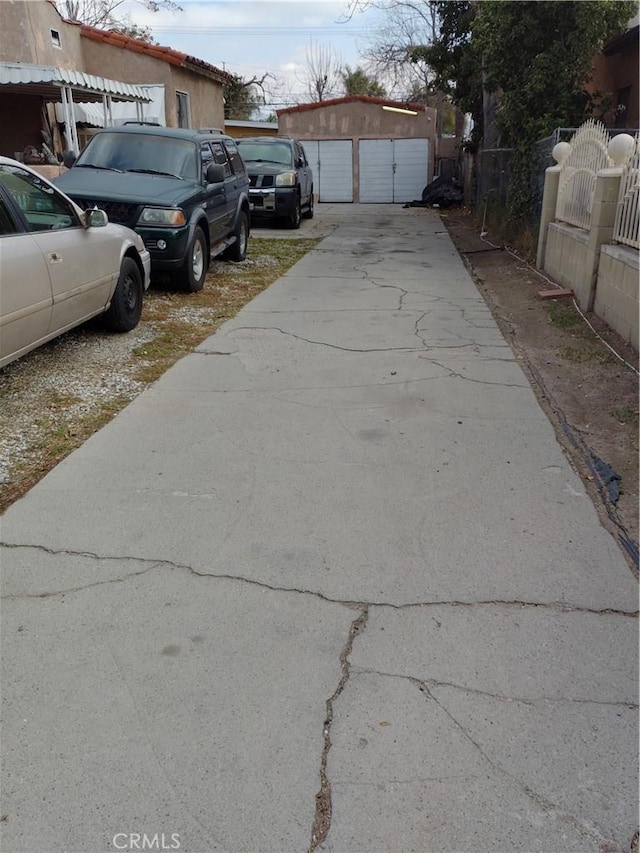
point(365, 149)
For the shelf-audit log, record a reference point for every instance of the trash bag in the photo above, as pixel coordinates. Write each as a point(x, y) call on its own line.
point(442, 193)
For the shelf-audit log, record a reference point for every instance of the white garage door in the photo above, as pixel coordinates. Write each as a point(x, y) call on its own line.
point(393, 170)
point(332, 164)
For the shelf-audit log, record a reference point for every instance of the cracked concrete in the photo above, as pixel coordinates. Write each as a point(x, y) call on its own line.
point(185, 597)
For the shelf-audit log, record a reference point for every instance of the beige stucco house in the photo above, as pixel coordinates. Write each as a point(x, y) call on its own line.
point(45, 59)
point(365, 149)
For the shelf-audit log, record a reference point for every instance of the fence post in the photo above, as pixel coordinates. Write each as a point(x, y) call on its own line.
point(603, 212)
point(550, 198)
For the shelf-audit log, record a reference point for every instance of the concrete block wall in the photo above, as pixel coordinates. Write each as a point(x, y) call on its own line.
point(567, 260)
point(603, 276)
point(617, 291)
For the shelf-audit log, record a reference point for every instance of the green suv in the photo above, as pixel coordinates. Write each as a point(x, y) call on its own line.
point(186, 192)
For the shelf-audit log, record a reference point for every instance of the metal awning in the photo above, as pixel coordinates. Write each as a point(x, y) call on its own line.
point(47, 81)
point(60, 84)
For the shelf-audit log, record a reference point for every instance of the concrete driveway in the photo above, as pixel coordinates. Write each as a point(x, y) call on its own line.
point(329, 584)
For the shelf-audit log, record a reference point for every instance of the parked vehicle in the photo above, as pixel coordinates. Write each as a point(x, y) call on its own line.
point(60, 265)
point(280, 176)
point(186, 192)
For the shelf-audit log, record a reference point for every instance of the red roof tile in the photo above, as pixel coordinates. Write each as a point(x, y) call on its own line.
point(166, 54)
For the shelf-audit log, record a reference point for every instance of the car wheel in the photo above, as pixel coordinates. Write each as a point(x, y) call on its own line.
point(126, 304)
point(294, 218)
point(309, 212)
point(196, 263)
point(238, 251)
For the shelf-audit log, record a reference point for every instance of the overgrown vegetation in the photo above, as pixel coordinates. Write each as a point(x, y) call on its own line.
point(174, 323)
point(535, 58)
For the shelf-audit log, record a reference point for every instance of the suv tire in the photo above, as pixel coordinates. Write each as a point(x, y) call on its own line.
point(293, 220)
point(237, 251)
point(196, 263)
point(309, 212)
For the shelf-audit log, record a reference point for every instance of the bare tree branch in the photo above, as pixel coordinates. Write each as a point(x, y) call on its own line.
point(408, 24)
point(104, 14)
point(322, 77)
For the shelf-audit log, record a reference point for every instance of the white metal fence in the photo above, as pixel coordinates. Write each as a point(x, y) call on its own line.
point(578, 177)
point(627, 224)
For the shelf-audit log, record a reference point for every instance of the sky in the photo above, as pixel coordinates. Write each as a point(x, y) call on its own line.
point(251, 37)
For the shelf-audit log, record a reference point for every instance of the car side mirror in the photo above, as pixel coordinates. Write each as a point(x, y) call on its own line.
point(299, 163)
point(215, 173)
point(69, 158)
point(94, 218)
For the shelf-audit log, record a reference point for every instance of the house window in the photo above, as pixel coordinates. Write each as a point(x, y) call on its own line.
point(55, 38)
point(182, 108)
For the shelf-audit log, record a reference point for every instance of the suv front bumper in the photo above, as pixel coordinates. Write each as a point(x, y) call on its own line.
point(167, 247)
point(274, 201)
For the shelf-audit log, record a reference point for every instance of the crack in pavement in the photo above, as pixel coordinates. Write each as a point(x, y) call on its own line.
point(323, 810)
point(425, 346)
point(519, 700)
point(159, 563)
point(320, 343)
point(323, 813)
point(586, 829)
point(454, 374)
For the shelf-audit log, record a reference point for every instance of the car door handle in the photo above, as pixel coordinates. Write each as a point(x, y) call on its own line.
point(54, 258)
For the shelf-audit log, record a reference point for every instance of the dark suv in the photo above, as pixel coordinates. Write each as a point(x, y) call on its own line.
point(186, 192)
point(281, 178)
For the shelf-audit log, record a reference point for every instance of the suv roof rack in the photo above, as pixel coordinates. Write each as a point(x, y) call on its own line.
point(147, 123)
point(210, 130)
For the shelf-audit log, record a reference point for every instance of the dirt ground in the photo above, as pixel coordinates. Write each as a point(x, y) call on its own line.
point(589, 394)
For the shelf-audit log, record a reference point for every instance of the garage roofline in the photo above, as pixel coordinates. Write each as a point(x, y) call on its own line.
point(350, 99)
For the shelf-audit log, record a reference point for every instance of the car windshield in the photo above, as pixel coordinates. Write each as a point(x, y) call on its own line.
point(138, 152)
point(266, 152)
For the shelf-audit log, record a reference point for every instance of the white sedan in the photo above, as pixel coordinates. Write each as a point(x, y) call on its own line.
point(60, 266)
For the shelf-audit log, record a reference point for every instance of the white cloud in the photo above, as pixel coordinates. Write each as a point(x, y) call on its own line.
point(251, 37)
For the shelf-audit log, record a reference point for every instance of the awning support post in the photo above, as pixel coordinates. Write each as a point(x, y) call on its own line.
point(70, 128)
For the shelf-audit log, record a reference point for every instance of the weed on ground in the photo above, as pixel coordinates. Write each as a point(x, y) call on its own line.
point(55, 398)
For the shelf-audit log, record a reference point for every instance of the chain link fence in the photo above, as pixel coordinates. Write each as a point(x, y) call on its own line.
point(493, 170)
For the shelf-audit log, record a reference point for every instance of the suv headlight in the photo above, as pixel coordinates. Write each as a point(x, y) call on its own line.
point(286, 179)
point(172, 216)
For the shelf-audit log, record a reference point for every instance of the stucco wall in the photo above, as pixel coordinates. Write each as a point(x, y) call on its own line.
point(25, 35)
point(207, 104)
point(116, 63)
point(355, 120)
point(617, 290)
point(615, 72)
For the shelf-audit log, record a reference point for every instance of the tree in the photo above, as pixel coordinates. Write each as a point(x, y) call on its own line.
point(104, 14)
point(537, 57)
point(323, 73)
point(531, 60)
point(407, 25)
point(358, 82)
point(454, 58)
point(244, 98)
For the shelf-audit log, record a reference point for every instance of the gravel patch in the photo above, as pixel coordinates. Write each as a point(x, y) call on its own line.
point(59, 384)
point(56, 396)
